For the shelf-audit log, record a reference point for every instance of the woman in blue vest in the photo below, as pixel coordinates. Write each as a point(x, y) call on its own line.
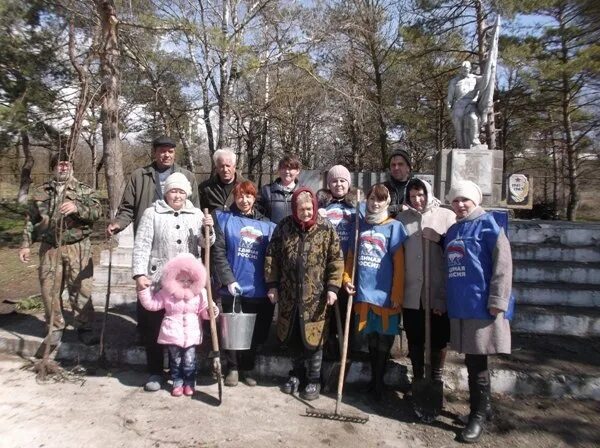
point(238, 260)
point(337, 204)
point(479, 301)
point(378, 286)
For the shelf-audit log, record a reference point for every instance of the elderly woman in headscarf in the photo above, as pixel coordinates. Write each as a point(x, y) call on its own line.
point(303, 269)
point(378, 284)
point(478, 294)
point(169, 227)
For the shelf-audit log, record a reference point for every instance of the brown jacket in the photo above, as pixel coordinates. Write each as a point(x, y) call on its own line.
point(304, 266)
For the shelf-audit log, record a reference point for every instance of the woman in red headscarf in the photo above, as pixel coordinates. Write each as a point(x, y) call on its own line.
point(303, 270)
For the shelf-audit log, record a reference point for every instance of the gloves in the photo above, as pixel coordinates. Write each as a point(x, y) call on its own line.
point(234, 289)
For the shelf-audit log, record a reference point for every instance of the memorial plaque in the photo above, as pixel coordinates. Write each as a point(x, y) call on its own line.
point(474, 165)
point(519, 191)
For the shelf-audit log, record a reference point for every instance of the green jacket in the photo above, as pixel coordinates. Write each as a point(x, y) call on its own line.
point(140, 193)
point(43, 218)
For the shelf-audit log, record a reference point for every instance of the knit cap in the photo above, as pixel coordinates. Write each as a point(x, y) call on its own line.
point(466, 189)
point(402, 153)
point(338, 171)
point(178, 180)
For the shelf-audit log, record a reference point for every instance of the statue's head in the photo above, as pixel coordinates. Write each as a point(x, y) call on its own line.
point(465, 68)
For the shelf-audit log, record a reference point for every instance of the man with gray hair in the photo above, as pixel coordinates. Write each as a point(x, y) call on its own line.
point(216, 192)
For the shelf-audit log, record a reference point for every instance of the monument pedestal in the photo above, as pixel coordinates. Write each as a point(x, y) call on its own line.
point(477, 164)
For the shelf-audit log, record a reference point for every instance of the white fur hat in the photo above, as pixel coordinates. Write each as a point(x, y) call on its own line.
point(178, 180)
point(466, 189)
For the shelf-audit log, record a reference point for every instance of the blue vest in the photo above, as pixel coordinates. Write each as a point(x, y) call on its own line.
point(377, 245)
point(342, 216)
point(246, 240)
point(469, 248)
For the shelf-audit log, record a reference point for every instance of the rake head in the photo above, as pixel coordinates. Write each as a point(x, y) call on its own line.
point(341, 417)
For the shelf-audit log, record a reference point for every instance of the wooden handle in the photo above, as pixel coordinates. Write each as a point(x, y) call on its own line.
point(211, 311)
point(344, 353)
point(427, 281)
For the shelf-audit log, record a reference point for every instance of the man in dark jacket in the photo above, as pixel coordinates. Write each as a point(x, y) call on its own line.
point(400, 171)
point(275, 198)
point(216, 193)
point(145, 186)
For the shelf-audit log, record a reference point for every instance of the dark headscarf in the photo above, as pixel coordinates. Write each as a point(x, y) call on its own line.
point(304, 225)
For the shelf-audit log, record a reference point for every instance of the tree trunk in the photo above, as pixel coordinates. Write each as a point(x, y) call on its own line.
point(187, 151)
point(570, 147)
point(109, 116)
point(26, 181)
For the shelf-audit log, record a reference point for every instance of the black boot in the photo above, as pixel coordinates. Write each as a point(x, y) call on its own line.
point(370, 387)
point(480, 399)
point(380, 365)
point(438, 359)
point(417, 359)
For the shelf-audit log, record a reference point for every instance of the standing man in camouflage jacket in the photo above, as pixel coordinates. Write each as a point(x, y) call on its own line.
point(61, 214)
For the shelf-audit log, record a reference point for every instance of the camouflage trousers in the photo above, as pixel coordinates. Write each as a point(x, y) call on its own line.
point(74, 270)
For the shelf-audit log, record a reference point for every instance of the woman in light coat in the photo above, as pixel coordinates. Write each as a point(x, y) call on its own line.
point(478, 293)
point(169, 227)
point(424, 212)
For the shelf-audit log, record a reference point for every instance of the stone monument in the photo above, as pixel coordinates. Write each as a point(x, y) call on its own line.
point(469, 101)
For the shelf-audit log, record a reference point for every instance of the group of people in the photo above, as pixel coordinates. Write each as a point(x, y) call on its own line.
point(305, 251)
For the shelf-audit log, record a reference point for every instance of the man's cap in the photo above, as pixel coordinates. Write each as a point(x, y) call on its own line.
point(60, 156)
point(163, 140)
point(396, 151)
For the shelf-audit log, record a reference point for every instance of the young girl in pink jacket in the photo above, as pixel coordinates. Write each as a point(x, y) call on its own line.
point(182, 295)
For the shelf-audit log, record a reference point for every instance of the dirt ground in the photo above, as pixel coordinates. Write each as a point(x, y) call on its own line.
point(111, 409)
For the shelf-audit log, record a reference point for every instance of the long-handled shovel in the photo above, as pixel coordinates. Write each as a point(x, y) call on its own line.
point(336, 414)
point(215, 355)
point(428, 394)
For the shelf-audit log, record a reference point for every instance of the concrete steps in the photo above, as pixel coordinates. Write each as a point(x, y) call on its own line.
point(555, 252)
point(533, 271)
point(558, 320)
point(557, 294)
point(556, 277)
point(555, 232)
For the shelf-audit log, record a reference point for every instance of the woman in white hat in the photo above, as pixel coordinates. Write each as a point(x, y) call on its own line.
point(169, 227)
point(478, 293)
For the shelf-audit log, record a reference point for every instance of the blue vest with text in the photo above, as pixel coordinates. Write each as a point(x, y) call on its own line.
point(246, 240)
point(341, 215)
point(469, 249)
point(377, 245)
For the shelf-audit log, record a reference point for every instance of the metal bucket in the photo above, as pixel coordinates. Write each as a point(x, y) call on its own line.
point(237, 329)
